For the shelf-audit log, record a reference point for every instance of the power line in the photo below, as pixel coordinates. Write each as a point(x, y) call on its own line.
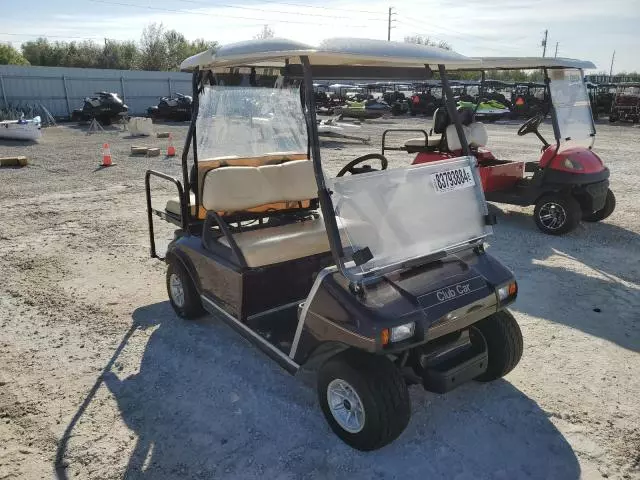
point(456, 34)
point(243, 7)
point(147, 7)
point(322, 8)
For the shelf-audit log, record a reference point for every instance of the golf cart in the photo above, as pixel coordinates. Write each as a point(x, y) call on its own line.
point(529, 99)
point(626, 103)
point(377, 276)
point(568, 183)
point(426, 99)
point(601, 96)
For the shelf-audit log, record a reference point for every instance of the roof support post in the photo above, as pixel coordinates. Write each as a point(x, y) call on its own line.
point(451, 108)
point(324, 195)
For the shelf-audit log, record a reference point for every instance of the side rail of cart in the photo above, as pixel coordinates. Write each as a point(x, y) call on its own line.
point(181, 220)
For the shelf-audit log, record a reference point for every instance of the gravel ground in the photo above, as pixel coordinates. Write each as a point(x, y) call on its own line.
point(100, 380)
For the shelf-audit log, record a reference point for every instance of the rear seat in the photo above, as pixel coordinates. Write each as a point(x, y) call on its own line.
point(433, 141)
point(173, 205)
point(238, 188)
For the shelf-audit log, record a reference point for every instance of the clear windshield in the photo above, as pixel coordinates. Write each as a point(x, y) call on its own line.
point(408, 213)
point(249, 121)
point(571, 102)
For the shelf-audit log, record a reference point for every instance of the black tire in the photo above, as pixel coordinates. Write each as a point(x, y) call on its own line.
point(565, 213)
point(190, 307)
point(604, 212)
point(613, 118)
point(504, 344)
point(382, 391)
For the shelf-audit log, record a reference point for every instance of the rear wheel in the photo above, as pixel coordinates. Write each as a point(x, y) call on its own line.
point(182, 292)
point(557, 213)
point(504, 344)
point(364, 399)
point(604, 212)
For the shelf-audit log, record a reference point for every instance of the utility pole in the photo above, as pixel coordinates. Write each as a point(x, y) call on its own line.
point(389, 27)
point(555, 55)
point(611, 68)
point(544, 43)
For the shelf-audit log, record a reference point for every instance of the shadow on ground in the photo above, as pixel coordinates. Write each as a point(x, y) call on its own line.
point(596, 267)
point(205, 404)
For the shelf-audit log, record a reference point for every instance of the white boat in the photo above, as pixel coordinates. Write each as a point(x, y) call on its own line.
point(21, 129)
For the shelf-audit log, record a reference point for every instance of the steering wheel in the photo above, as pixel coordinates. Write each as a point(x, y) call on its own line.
point(531, 125)
point(353, 170)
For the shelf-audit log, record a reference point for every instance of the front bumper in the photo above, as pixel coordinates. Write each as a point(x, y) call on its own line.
point(594, 196)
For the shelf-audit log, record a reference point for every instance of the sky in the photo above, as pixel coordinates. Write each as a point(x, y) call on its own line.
point(584, 29)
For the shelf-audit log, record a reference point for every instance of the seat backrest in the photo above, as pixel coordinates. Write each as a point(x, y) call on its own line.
point(239, 188)
point(440, 120)
point(453, 141)
point(476, 135)
point(234, 161)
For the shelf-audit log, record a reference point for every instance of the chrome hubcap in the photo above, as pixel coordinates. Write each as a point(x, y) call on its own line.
point(552, 215)
point(176, 290)
point(345, 405)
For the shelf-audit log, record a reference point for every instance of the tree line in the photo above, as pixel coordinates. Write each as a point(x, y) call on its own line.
point(162, 49)
point(158, 49)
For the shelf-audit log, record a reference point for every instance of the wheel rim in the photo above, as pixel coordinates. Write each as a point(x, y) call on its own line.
point(552, 215)
point(176, 290)
point(345, 405)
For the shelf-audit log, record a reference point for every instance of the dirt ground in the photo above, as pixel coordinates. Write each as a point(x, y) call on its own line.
point(100, 380)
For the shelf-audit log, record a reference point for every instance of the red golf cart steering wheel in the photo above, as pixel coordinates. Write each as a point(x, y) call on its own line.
point(353, 170)
point(531, 125)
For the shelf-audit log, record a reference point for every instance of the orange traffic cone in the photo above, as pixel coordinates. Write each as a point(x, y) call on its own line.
point(171, 150)
point(106, 156)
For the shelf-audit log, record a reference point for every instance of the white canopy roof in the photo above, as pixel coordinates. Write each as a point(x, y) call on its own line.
point(334, 51)
point(524, 63)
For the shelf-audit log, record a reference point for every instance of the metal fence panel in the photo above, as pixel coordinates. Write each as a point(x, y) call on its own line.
point(61, 90)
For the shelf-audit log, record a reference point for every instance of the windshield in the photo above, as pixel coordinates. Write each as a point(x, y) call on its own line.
point(249, 121)
point(571, 103)
point(391, 217)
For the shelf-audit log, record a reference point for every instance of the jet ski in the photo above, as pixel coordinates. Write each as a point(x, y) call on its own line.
point(364, 110)
point(104, 107)
point(489, 110)
point(172, 108)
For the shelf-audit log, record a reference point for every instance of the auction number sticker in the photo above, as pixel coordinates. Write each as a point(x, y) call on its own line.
point(454, 179)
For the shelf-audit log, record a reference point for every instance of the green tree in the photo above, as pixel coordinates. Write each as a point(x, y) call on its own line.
point(265, 33)
point(10, 56)
point(119, 55)
point(153, 48)
point(425, 40)
point(40, 52)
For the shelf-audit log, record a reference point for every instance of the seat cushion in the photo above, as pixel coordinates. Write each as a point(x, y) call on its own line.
point(432, 141)
point(271, 245)
point(173, 205)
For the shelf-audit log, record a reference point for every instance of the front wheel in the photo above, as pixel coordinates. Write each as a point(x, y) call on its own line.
point(604, 212)
point(364, 399)
point(183, 294)
point(504, 344)
point(557, 213)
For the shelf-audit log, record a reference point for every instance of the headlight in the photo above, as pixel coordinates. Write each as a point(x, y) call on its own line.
point(507, 291)
point(397, 334)
point(571, 164)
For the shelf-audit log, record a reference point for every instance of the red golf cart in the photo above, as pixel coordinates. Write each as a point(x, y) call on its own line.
point(567, 184)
